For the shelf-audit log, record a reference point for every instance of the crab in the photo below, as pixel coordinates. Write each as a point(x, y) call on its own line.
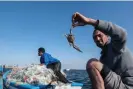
point(70, 38)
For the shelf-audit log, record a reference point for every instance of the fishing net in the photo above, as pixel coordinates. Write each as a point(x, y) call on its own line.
point(33, 74)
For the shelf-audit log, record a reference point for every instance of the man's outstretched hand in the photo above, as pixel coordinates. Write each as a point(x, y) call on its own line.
point(81, 20)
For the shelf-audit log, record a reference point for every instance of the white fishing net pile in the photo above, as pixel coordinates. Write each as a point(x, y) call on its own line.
point(36, 75)
point(33, 74)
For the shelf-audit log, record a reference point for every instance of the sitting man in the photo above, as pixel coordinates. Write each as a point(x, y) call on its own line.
point(114, 70)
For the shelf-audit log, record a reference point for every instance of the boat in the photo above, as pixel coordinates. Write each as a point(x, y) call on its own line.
point(65, 70)
point(1, 70)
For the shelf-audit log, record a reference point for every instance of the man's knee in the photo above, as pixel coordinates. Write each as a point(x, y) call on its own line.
point(90, 64)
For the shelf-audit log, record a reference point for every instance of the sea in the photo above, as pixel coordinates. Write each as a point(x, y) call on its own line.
point(79, 76)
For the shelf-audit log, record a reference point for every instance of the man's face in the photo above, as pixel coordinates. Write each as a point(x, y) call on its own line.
point(40, 53)
point(100, 38)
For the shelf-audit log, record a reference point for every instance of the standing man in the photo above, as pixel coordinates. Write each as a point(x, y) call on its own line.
point(51, 63)
point(114, 70)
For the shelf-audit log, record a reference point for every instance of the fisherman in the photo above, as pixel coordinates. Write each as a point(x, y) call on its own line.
point(52, 63)
point(114, 70)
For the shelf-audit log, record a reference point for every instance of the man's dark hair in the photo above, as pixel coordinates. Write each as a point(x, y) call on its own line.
point(41, 49)
point(94, 31)
point(98, 30)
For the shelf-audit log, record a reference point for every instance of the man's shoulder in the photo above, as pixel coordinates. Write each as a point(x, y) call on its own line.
point(46, 54)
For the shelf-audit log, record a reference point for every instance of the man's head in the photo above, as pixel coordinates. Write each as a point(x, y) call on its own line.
point(41, 51)
point(100, 38)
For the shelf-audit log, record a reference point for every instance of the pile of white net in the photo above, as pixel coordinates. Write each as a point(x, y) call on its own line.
point(33, 74)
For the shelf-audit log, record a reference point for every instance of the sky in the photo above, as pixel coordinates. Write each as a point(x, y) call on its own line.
point(26, 26)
